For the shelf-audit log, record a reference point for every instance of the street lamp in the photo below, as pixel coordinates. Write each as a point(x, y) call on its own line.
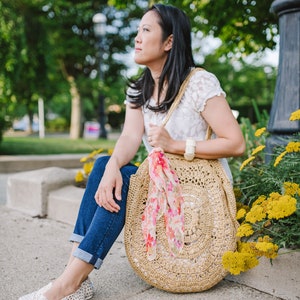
point(99, 21)
point(287, 91)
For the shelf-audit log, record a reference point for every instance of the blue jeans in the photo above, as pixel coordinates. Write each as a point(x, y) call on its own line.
point(96, 229)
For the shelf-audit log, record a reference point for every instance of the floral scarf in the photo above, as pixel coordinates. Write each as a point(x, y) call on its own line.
point(164, 199)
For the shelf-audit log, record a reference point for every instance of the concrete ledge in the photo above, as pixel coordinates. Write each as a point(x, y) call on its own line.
point(63, 204)
point(281, 278)
point(28, 191)
point(21, 163)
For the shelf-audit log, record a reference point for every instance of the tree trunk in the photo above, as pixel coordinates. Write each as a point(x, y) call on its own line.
point(75, 127)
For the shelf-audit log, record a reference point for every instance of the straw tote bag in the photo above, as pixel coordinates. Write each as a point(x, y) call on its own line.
point(209, 225)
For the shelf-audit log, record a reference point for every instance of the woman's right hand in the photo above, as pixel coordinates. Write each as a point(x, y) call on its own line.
point(109, 188)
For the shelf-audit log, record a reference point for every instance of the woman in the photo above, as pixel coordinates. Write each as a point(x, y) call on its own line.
point(163, 45)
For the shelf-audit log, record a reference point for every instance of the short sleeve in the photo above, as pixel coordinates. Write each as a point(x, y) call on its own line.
point(203, 86)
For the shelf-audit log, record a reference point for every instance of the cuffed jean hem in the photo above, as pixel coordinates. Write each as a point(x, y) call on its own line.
point(88, 258)
point(76, 238)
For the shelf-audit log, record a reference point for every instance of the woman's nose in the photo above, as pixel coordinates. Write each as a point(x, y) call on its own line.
point(137, 38)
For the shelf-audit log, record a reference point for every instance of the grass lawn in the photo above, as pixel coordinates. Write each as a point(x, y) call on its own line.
point(23, 145)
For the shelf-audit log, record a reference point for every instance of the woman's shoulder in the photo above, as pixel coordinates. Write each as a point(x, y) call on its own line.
point(202, 74)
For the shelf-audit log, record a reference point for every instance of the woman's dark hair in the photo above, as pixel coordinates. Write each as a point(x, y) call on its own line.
point(179, 61)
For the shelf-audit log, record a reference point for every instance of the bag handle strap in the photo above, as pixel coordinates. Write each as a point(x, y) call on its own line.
point(178, 99)
point(179, 95)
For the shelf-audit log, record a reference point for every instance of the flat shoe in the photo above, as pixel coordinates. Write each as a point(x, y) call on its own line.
point(78, 295)
point(88, 289)
point(37, 295)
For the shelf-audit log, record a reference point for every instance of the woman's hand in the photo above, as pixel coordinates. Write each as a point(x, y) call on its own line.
point(158, 136)
point(109, 188)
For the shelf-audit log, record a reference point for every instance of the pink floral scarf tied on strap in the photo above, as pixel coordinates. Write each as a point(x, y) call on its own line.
point(164, 199)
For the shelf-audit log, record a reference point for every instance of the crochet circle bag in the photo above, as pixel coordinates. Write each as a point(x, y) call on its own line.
point(180, 220)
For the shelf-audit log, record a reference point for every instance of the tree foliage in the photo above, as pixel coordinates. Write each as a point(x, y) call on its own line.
point(244, 26)
point(46, 44)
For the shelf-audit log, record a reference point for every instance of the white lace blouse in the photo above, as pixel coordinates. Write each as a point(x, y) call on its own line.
point(186, 121)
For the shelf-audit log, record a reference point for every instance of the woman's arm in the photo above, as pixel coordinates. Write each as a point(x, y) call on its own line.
point(217, 113)
point(130, 138)
point(127, 145)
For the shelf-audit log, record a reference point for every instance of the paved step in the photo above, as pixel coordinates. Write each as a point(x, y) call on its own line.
point(21, 163)
point(63, 204)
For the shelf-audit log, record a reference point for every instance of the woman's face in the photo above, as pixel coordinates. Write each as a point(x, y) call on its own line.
point(150, 50)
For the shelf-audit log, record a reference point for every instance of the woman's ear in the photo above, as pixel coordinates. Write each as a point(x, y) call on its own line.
point(169, 43)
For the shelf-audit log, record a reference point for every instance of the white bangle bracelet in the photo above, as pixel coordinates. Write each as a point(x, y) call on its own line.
point(190, 147)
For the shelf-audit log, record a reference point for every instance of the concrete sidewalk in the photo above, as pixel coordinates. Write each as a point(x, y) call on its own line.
point(34, 251)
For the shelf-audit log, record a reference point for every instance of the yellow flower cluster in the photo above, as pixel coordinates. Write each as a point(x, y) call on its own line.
point(91, 155)
point(279, 158)
point(241, 213)
point(265, 247)
point(258, 149)
point(282, 207)
point(246, 162)
point(247, 254)
point(276, 206)
point(263, 215)
point(264, 209)
point(291, 188)
point(293, 147)
point(260, 131)
point(289, 148)
point(245, 230)
point(295, 115)
point(237, 262)
point(88, 165)
point(256, 214)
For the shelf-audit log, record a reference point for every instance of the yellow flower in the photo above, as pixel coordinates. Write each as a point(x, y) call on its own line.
point(258, 149)
point(255, 214)
point(110, 151)
point(291, 188)
point(245, 230)
point(241, 213)
point(137, 164)
point(281, 208)
point(259, 200)
point(84, 159)
point(295, 115)
point(236, 262)
point(87, 167)
point(274, 196)
point(279, 158)
point(266, 248)
point(79, 177)
point(94, 153)
point(260, 131)
point(245, 247)
point(293, 147)
point(246, 162)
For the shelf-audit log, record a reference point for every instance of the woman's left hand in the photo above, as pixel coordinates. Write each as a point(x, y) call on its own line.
point(158, 136)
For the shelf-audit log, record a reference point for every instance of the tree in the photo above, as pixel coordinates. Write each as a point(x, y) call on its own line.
point(52, 47)
point(244, 26)
point(24, 56)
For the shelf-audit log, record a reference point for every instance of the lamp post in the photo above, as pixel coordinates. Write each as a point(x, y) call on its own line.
point(287, 92)
point(99, 21)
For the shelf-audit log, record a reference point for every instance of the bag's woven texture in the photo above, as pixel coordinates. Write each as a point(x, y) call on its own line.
point(209, 228)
